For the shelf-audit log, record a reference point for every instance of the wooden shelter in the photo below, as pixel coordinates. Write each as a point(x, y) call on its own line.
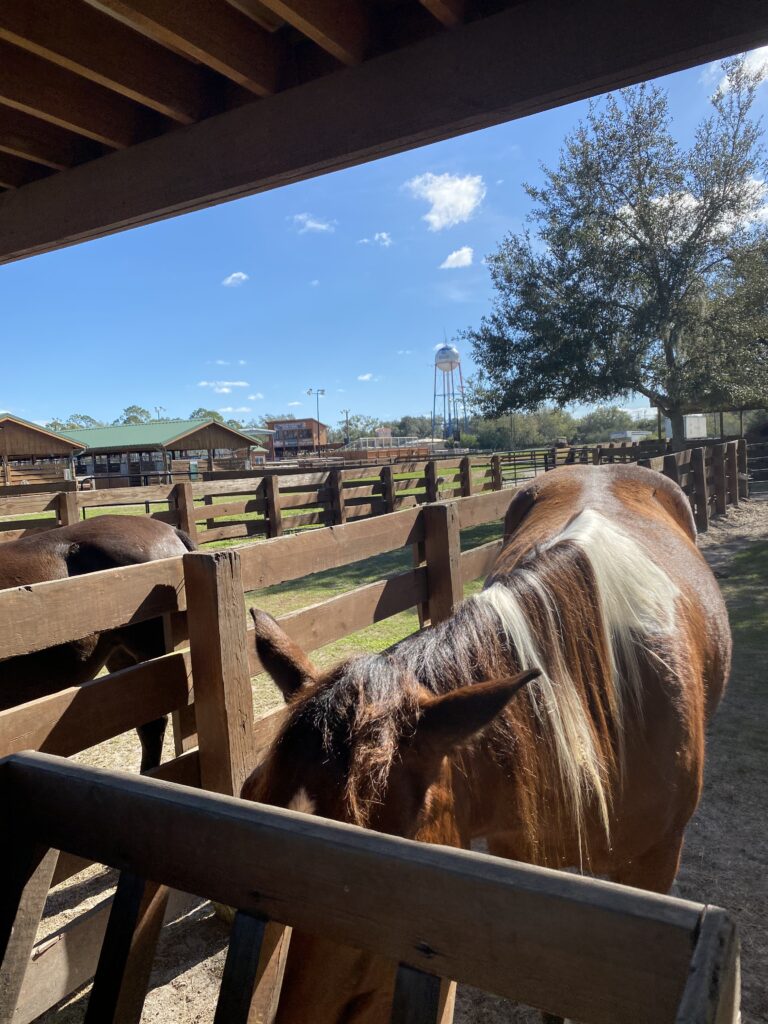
point(145, 450)
point(31, 454)
point(115, 113)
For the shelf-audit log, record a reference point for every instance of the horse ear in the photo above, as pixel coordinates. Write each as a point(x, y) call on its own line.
point(281, 657)
point(455, 717)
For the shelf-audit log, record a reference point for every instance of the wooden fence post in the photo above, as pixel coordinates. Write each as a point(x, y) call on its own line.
point(743, 468)
point(388, 488)
point(671, 468)
point(223, 701)
point(442, 546)
point(733, 472)
point(273, 511)
point(721, 483)
point(185, 505)
point(465, 472)
point(700, 490)
point(597, 455)
point(338, 508)
point(497, 480)
point(430, 473)
point(67, 512)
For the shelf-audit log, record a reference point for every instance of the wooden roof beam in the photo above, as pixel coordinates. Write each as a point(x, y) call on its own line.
point(482, 73)
point(257, 12)
point(211, 32)
point(449, 12)
point(43, 143)
point(15, 172)
point(34, 86)
point(341, 27)
point(83, 40)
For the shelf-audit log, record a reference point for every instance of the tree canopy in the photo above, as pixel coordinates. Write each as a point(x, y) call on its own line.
point(647, 270)
point(132, 415)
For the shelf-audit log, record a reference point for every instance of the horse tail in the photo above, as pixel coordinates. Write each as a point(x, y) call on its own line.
point(185, 539)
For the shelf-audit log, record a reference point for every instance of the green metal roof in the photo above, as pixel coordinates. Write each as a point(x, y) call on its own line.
point(146, 436)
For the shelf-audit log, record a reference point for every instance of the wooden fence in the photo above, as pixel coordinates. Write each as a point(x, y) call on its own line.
point(271, 504)
point(204, 681)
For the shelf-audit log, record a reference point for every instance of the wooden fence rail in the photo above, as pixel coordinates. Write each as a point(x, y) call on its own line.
point(205, 681)
point(273, 503)
point(569, 945)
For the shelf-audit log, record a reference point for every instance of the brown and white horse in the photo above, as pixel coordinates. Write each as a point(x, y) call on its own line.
point(559, 714)
point(104, 542)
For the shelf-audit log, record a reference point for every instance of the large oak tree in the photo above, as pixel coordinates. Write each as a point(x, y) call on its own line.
point(647, 267)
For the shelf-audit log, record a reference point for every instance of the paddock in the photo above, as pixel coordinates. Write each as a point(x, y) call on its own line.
point(204, 681)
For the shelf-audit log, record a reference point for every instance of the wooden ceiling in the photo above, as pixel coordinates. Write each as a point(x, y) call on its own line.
point(120, 112)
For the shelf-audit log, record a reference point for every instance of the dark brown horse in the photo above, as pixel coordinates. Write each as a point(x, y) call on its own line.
point(104, 542)
point(559, 715)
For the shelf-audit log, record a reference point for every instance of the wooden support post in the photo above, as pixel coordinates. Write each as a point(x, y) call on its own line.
point(722, 427)
point(388, 489)
point(597, 455)
point(27, 874)
point(422, 998)
point(430, 473)
point(253, 972)
point(443, 557)
point(732, 460)
point(497, 481)
point(721, 483)
point(465, 472)
point(125, 963)
point(223, 700)
point(671, 467)
point(183, 719)
point(743, 468)
point(273, 511)
point(338, 509)
point(700, 491)
point(67, 512)
point(185, 505)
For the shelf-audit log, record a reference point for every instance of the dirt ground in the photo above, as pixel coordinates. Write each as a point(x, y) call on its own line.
point(725, 861)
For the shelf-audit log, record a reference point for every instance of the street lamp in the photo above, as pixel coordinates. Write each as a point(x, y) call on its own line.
point(345, 413)
point(317, 392)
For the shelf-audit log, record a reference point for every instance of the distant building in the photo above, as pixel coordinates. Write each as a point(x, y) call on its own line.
point(629, 435)
point(294, 438)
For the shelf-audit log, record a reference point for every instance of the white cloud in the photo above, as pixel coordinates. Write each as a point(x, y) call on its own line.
point(452, 199)
point(404, 351)
point(756, 60)
point(241, 362)
point(221, 362)
point(235, 280)
point(307, 222)
point(458, 258)
point(223, 391)
point(223, 387)
point(293, 404)
point(341, 391)
point(365, 376)
point(314, 283)
point(255, 398)
point(382, 238)
point(232, 408)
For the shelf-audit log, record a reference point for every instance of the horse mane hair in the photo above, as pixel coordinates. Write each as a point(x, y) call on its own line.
point(587, 608)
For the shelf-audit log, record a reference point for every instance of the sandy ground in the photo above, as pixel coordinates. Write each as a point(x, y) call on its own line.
point(725, 861)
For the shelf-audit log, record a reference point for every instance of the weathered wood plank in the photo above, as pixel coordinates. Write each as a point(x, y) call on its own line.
point(448, 912)
point(479, 561)
point(46, 614)
point(288, 558)
point(489, 507)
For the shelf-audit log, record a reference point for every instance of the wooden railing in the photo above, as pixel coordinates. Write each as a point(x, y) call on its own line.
point(205, 682)
point(274, 503)
point(571, 946)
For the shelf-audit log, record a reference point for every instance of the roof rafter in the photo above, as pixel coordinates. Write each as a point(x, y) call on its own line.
point(77, 37)
point(208, 31)
point(37, 87)
point(15, 172)
point(449, 12)
point(43, 143)
point(482, 73)
point(341, 27)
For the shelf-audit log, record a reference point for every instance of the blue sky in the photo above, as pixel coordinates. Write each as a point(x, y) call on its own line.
point(144, 316)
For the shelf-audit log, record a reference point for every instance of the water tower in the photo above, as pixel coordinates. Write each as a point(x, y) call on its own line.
point(449, 390)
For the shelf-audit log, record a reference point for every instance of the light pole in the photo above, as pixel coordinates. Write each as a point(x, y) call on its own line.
point(317, 392)
point(158, 410)
point(345, 413)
